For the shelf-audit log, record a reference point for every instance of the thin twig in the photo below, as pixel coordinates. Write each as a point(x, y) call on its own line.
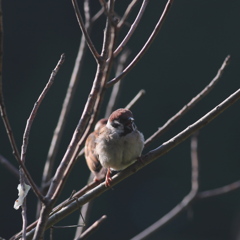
point(36, 107)
point(136, 98)
point(219, 191)
point(146, 159)
point(116, 88)
point(94, 227)
point(187, 200)
point(97, 15)
point(34, 112)
point(12, 169)
point(145, 47)
point(84, 31)
point(189, 105)
point(127, 13)
point(84, 217)
point(132, 28)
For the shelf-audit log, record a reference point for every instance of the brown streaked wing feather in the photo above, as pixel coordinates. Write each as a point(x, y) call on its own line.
point(91, 158)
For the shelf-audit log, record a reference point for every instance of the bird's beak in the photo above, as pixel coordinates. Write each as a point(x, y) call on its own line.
point(131, 125)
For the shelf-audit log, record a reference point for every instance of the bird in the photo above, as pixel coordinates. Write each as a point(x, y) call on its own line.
point(89, 150)
point(118, 144)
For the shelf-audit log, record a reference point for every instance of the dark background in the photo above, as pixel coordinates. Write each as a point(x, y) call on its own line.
point(195, 39)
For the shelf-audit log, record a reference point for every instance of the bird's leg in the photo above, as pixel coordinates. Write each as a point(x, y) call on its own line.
point(108, 178)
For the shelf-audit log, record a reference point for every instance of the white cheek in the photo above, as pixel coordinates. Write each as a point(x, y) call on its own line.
point(114, 130)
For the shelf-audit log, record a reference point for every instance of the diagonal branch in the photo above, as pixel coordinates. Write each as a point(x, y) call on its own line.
point(133, 26)
point(12, 169)
point(136, 98)
point(187, 200)
point(190, 105)
point(145, 47)
point(85, 33)
point(127, 13)
point(92, 228)
point(219, 191)
point(116, 88)
point(36, 107)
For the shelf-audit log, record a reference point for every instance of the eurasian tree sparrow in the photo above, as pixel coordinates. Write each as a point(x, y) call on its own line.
point(119, 143)
point(91, 158)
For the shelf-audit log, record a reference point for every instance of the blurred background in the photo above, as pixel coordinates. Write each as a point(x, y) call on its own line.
point(185, 56)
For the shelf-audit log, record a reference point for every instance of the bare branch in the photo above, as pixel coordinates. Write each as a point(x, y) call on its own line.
point(97, 15)
point(33, 114)
point(190, 105)
point(24, 219)
point(9, 166)
point(92, 228)
point(116, 88)
point(36, 106)
point(133, 26)
point(145, 47)
point(84, 31)
point(148, 158)
point(187, 200)
point(219, 191)
point(127, 13)
point(136, 98)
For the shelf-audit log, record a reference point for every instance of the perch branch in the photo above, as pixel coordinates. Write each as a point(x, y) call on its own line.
point(190, 105)
point(146, 159)
point(145, 47)
point(84, 31)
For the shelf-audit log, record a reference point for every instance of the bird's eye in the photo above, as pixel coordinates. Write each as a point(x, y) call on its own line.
point(115, 124)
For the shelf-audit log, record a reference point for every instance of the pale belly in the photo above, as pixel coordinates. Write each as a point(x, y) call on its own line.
point(119, 153)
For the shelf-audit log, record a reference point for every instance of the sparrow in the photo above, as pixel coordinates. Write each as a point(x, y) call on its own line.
point(118, 144)
point(91, 158)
